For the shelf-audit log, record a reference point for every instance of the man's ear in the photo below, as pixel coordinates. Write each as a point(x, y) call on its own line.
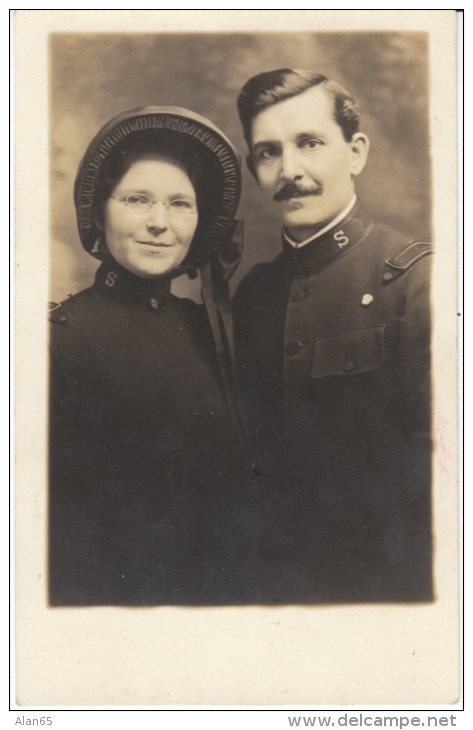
point(359, 146)
point(251, 167)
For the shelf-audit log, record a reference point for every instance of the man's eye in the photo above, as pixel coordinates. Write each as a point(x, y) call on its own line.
point(310, 144)
point(266, 153)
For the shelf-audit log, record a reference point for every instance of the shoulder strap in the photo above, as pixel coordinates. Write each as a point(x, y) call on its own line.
point(57, 314)
point(401, 261)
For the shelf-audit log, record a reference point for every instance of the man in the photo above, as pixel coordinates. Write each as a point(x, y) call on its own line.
point(333, 355)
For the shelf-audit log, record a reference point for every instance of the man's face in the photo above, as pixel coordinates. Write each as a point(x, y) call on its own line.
point(302, 160)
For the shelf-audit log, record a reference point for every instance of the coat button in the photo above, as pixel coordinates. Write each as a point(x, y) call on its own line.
point(349, 366)
point(388, 275)
point(153, 303)
point(298, 295)
point(293, 347)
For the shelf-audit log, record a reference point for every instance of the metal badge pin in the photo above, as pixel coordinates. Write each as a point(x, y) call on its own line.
point(366, 299)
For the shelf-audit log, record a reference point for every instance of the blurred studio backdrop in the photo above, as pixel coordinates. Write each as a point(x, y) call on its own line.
point(95, 76)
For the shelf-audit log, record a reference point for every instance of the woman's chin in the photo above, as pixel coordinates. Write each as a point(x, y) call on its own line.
point(150, 269)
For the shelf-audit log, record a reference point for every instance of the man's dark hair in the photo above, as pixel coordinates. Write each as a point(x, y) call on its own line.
point(271, 87)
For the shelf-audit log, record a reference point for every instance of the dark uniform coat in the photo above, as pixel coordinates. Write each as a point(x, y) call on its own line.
point(144, 455)
point(333, 350)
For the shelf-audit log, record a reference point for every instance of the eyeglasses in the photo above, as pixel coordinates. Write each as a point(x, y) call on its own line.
point(179, 208)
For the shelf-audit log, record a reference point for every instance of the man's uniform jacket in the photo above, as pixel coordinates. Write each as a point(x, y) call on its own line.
point(333, 355)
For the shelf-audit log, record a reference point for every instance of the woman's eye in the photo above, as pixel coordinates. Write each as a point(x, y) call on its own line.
point(136, 200)
point(186, 204)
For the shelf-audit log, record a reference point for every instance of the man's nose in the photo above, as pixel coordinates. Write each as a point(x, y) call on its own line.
point(291, 167)
point(157, 217)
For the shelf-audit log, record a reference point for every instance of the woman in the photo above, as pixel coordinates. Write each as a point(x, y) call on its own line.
point(147, 498)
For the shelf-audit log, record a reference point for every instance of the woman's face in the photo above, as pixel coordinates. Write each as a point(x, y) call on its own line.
point(151, 216)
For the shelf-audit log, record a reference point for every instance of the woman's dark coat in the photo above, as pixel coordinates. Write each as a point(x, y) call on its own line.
point(146, 504)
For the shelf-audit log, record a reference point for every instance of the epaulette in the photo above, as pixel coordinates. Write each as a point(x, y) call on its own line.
point(56, 313)
point(400, 262)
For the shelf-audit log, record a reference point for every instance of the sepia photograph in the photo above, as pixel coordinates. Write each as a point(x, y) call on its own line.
point(244, 359)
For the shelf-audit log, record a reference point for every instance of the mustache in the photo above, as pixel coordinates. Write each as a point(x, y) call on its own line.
point(292, 190)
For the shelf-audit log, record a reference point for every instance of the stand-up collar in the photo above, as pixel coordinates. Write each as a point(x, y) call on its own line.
point(120, 283)
point(325, 229)
point(344, 236)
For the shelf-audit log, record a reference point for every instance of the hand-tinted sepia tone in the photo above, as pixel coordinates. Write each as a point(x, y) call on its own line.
point(94, 76)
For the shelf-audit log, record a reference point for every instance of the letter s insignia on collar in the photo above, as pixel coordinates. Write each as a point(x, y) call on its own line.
point(111, 278)
point(341, 238)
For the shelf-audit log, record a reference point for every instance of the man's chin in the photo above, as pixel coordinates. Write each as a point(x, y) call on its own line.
point(302, 226)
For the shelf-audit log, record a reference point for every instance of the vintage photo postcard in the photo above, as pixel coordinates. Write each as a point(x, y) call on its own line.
point(236, 259)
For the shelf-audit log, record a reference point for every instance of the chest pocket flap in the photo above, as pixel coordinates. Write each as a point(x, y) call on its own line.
point(349, 353)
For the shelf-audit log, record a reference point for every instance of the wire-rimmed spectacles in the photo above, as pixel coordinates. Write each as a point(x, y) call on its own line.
point(179, 208)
